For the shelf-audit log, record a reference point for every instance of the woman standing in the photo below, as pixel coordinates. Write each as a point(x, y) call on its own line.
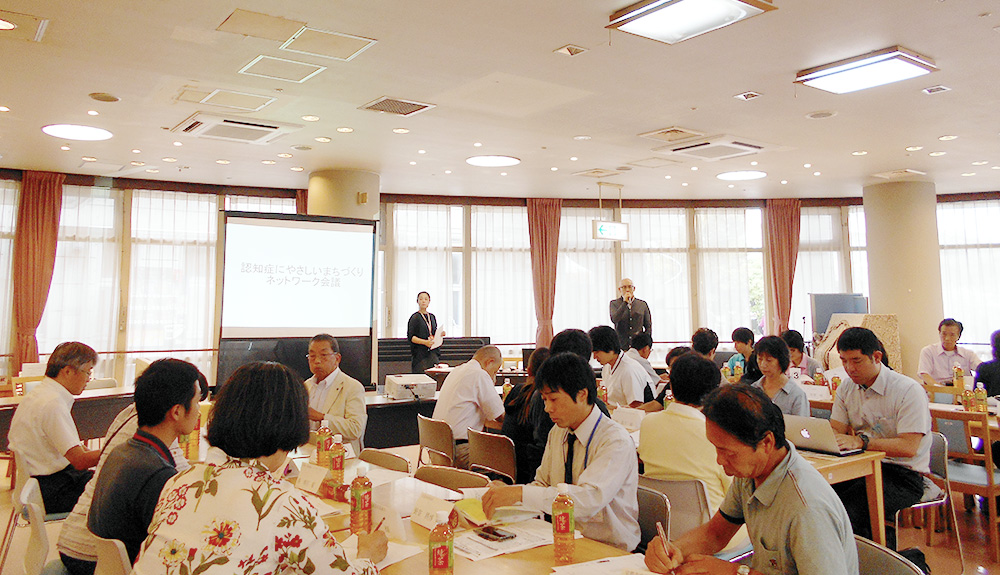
point(773, 360)
point(420, 331)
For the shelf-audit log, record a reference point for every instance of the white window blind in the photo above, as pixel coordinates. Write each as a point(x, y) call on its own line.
point(970, 266)
point(585, 272)
point(9, 192)
point(503, 301)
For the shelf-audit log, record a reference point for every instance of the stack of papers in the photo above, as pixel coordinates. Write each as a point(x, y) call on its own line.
point(397, 551)
point(472, 511)
point(633, 564)
point(529, 534)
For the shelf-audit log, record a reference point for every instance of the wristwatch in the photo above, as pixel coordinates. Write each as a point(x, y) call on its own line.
point(743, 570)
point(864, 441)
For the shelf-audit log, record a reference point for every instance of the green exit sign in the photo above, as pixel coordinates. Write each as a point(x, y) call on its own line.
point(616, 231)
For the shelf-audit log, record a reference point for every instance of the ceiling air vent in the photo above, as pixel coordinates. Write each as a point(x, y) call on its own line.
point(672, 134)
point(899, 174)
point(246, 130)
point(597, 173)
point(712, 149)
point(396, 106)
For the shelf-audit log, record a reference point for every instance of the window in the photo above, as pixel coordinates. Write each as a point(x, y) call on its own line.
point(820, 267)
point(859, 249)
point(970, 249)
point(82, 304)
point(656, 259)
point(259, 204)
point(503, 298)
point(585, 272)
point(730, 264)
point(172, 291)
point(9, 191)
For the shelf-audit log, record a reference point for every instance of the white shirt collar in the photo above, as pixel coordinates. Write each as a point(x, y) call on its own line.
point(330, 378)
point(584, 430)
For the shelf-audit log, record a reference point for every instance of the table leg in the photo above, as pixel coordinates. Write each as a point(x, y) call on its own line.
point(876, 509)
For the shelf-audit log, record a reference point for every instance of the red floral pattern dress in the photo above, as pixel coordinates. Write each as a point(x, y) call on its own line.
point(237, 518)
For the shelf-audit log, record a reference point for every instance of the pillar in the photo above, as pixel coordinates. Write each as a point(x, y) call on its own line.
point(344, 193)
point(904, 262)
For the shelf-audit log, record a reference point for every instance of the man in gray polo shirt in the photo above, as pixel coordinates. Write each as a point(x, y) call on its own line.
point(796, 522)
point(881, 410)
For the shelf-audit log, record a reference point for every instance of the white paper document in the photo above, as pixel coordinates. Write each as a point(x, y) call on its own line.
point(529, 534)
point(438, 339)
point(396, 553)
point(624, 565)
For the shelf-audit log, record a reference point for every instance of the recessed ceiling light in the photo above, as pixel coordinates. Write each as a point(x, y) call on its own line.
point(421, 151)
point(77, 132)
point(492, 161)
point(821, 114)
point(348, 130)
point(732, 185)
point(554, 169)
point(268, 162)
point(168, 159)
point(753, 163)
point(581, 137)
point(137, 163)
point(816, 173)
point(948, 138)
point(995, 167)
point(178, 144)
point(936, 154)
point(807, 165)
point(478, 144)
point(223, 162)
point(400, 131)
point(694, 168)
point(4, 109)
point(310, 118)
point(89, 159)
point(323, 140)
point(64, 148)
point(503, 173)
point(914, 148)
point(666, 177)
point(93, 113)
point(893, 64)
point(297, 168)
point(447, 171)
point(967, 174)
point(7, 25)
point(103, 97)
point(980, 163)
point(783, 182)
point(684, 184)
point(153, 171)
point(136, 151)
point(413, 163)
point(741, 175)
point(284, 155)
point(301, 147)
point(573, 158)
point(859, 153)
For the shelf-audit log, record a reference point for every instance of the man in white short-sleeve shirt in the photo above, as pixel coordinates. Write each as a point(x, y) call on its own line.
point(469, 398)
point(44, 434)
point(627, 382)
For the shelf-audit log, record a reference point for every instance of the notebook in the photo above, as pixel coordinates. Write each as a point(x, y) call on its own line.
point(813, 434)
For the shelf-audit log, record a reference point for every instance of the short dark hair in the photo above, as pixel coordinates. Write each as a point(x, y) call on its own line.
point(675, 353)
point(605, 338)
point(567, 372)
point(262, 408)
point(794, 340)
point(334, 346)
point(642, 340)
point(419, 293)
point(743, 335)
point(164, 384)
point(950, 321)
point(572, 340)
point(69, 354)
point(746, 413)
point(704, 341)
point(859, 338)
point(692, 377)
point(775, 347)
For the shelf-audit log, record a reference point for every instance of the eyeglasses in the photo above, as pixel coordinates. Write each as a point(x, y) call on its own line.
point(319, 355)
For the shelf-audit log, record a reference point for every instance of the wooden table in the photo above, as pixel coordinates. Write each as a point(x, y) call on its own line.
point(93, 411)
point(868, 465)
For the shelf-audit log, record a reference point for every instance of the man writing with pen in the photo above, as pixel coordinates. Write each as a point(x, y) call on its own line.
point(796, 522)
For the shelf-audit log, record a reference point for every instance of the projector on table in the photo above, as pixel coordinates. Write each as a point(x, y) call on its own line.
point(410, 386)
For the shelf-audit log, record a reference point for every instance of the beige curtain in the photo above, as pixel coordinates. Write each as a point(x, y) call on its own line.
point(35, 239)
point(783, 223)
point(543, 233)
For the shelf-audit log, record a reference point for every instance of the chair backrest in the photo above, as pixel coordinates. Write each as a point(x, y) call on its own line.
point(492, 453)
point(102, 383)
point(956, 426)
point(384, 459)
point(874, 559)
point(38, 539)
point(112, 557)
point(939, 455)
point(654, 507)
point(26, 382)
point(451, 477)
point(688, 503)
point(436, 437)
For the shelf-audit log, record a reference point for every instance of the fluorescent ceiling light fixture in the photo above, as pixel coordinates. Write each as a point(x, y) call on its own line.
point(877, 68)
point(674, 21)
point(5, 25)
point(492, 161)
point(77, 132)
point(742, 175)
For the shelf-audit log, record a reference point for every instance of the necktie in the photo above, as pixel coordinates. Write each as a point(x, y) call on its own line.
point(570, 440)
point(647, 394)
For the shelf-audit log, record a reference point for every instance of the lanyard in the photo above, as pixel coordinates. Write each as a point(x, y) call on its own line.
point(586, 451)
point(427, 320)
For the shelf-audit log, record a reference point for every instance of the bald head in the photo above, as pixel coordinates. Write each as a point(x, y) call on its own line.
point(490, 358)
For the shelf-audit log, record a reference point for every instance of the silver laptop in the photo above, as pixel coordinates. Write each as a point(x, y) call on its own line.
point(813, 434)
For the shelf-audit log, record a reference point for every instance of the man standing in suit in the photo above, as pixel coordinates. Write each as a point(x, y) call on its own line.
point(630, 314)
point(334, 395)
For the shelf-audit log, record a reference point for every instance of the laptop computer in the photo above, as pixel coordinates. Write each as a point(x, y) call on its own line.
point(814, 434)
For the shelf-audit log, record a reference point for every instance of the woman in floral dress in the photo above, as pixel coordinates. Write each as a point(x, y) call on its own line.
point(237, 517)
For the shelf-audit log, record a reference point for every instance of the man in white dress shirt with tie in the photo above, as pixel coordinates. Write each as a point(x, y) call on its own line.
point(334, 395)
point(588, 451)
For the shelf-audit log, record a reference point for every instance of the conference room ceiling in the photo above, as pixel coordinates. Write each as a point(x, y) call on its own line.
point(491, 73)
